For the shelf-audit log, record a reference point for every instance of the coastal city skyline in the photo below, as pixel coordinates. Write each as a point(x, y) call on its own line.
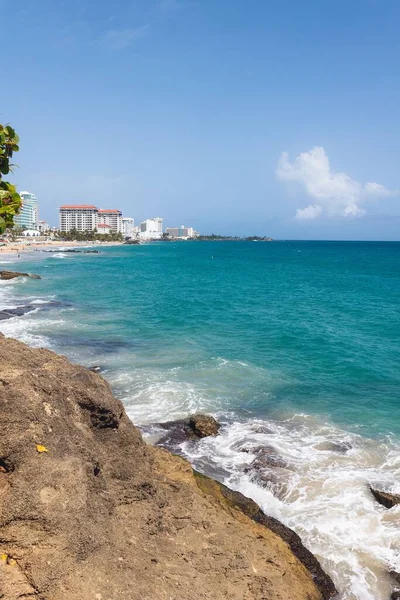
point(88, 217)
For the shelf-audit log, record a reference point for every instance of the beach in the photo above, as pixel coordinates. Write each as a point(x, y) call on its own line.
point(23, 247)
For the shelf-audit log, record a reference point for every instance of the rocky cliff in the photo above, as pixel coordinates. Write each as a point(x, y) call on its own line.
point(89, 511)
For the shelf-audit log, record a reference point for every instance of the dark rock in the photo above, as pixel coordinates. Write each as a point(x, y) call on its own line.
point(267, 457)
point(95, 369)
point(194, 427)
point(19, 311)
point(9, 313)
point(91, 252)
point(341, 447)
point(13, 274)
point(395, 595)
point(387, 499)
point(203, 425)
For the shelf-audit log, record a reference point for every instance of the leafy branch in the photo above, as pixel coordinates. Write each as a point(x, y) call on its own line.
point(10, 200)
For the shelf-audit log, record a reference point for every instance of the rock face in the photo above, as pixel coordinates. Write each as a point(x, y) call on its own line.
point(89, 511)
point(385, 498)
point(14, 274)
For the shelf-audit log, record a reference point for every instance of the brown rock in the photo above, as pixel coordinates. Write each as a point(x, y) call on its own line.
point(203, 425)
point(14, 274)
point(385, 498)
point(96, 513)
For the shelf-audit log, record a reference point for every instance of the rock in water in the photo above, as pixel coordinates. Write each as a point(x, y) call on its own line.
point(203, 425)
point(385, 498)
point(14, 274)
point(88, 510)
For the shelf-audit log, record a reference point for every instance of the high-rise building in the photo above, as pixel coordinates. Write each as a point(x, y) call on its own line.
point(28, 216)
point(180, 232)
point(82, 217)
point(151, 229)
point(111, 217)
point(127, 226)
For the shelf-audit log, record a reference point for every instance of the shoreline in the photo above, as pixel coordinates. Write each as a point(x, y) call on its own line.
point(24, 248)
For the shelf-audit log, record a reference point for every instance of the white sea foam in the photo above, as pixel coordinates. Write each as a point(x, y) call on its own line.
point(323, 495)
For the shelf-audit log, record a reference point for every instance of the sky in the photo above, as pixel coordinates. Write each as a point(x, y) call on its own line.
point(264, 117)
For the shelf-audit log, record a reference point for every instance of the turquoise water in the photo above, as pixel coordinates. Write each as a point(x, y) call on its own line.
point(304, 336)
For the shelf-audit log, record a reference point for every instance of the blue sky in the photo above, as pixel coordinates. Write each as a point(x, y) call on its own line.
point(272, 117)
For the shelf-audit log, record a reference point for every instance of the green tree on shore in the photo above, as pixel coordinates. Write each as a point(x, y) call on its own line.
point(10, 200)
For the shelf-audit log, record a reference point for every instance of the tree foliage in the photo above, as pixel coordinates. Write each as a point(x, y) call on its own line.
point(10, 200)
point(87, 236)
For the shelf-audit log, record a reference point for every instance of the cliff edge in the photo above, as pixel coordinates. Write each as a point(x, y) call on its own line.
point(89, 511)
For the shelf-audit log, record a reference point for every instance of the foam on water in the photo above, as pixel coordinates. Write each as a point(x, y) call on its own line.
point(322, 494)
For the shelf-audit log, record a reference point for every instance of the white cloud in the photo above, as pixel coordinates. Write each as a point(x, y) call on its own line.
point(336, 194)
point(118, 39)
point(312, 211)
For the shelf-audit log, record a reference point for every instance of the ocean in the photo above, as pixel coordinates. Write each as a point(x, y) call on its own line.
point(290, 345)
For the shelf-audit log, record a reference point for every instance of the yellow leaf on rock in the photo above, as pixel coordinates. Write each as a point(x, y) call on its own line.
point(12, 562)
point(3, 557)
point(41, 448)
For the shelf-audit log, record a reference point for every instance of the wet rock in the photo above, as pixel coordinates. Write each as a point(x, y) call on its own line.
point(266, 458)
point(395, 595)
point(262, 429)
point(194, 427)
point(9, 313)
point(13, 274)
point(95, 369)
point(204, 425)
point(91, 252)
point(387, 499)
point(340, 447)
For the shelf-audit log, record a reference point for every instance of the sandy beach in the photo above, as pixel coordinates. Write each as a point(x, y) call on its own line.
point(23, 247)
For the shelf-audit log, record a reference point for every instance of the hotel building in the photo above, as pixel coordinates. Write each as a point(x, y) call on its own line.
point(28, 216)
point(127, 226)
point(111, 217)
point(151, 229)
point(180, 232)
point(82, 217)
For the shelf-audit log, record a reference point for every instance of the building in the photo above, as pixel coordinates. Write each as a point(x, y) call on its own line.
point(28, 216)
point(103, 228)
point(128, 225)
point(180, 232)
point(151, 229)
point(82, 217)
point(111, 217)
point(43, 226)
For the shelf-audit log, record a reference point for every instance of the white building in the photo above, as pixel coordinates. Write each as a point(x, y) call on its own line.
point(128, 225)
point(111, 217)
point(181, 232)
point(28, 216)
point(82, 217)
point(43, 226)
point(151, 229)
point(103, 228)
